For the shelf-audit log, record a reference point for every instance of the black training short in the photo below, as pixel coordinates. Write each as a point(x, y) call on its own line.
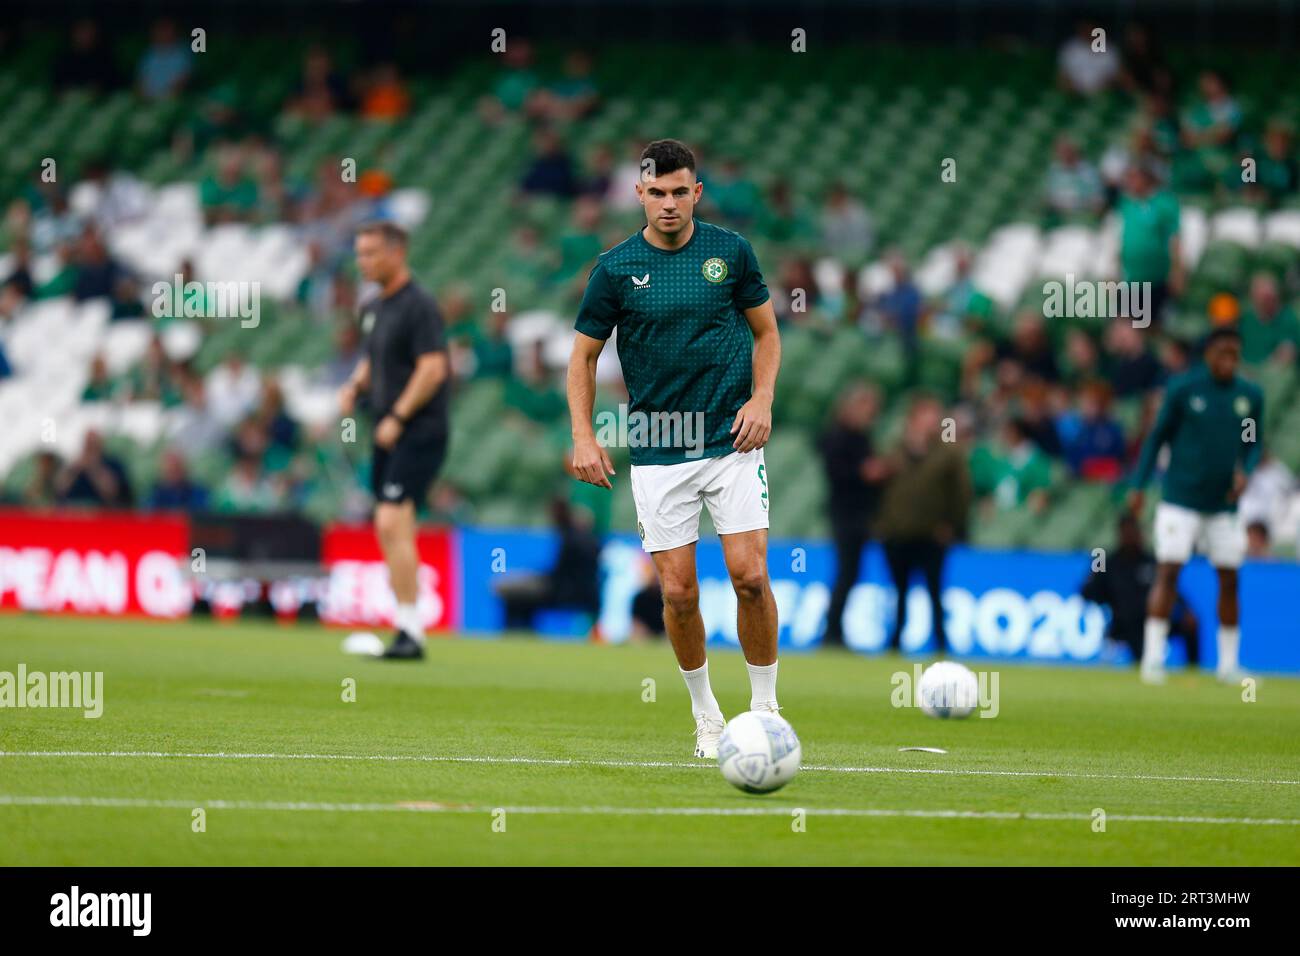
point(405, 472)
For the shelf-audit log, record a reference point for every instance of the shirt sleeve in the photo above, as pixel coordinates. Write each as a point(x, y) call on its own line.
point(1161, 432)
point(428, 333)
point(599, 312)
point(750, 289)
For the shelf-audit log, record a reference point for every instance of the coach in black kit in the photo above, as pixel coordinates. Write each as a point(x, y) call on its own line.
point(403, 372)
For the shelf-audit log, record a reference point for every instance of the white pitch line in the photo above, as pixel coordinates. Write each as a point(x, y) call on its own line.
point(647, 764)
point(764, 811)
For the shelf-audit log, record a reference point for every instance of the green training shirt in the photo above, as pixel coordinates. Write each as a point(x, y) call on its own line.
point(683, 340)
point(1205, 425)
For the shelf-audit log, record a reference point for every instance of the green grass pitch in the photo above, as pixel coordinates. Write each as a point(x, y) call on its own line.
point(559, 737)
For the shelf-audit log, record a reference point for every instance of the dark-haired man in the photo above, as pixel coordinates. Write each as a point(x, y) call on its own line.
point(403, 370)
point(698, 343)
point(1211, 420)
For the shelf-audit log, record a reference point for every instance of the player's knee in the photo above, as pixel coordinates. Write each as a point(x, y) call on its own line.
point(681, 597)
point(389, 521)
point(750, 583)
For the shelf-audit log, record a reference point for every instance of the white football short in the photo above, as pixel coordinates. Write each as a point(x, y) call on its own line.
point(668, 498)
point(1180, 531)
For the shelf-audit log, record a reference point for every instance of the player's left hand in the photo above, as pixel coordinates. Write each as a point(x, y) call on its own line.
point(753, 425)
point(387, 432)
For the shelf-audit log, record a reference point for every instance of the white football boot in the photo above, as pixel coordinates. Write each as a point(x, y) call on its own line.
point(708, 729)
point(1152, 674)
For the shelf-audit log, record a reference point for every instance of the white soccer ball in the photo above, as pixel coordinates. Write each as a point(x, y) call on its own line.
point(949, 689)
point(363, 643)
point(758, 752)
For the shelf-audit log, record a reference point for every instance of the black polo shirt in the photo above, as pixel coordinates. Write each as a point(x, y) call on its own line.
point(398, 330)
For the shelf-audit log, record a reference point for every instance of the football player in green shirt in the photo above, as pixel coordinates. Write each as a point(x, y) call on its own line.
point(698, 343)
point(1211, 420)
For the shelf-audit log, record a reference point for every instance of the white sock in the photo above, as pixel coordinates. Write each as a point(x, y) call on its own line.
point(762, 684)
point(702, 699)
point(1154, 638)
point(1229, 645)
point(407, 618)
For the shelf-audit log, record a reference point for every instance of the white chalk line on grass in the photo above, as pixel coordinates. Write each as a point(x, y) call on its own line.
point(418, 806)
point(645, 764)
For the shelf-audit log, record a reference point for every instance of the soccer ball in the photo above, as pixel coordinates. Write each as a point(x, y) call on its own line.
point(363, 644)
point(949, 689)
point(758, 752)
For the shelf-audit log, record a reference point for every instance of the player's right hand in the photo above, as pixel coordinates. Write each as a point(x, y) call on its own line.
point(591, 463)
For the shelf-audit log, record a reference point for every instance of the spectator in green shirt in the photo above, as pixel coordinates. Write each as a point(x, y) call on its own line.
point(1270, 331)
point(229, 194)
point(1149, 247)
point(1012, 470)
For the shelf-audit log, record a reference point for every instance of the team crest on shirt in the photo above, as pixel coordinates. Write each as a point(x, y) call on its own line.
point(367, 322)
point(640, 529)
point(1197, 403)
point(1241, 405)
point(715, 269)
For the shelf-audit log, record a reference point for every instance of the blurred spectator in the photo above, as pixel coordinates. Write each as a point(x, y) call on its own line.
point(20, 273)
point(248, 490)
point(734, 195)
point(901, 307)
point(1030, 347)
point(795, 293)
point(386, 97)
point(99, 385)
point(781, 219)
point(94, 478)
point(493, 355)
point(1082, 361)
point(533, 393)
point(551, 171)
point(1276, 175)
point(194, 430)
point(1074, 187)
point(570, 98)
point(923, 510)
point(165, 67)
point(233, 388)
point(600, 173)
point(215, 119)
point(1267, 499)
point(1012, 470)
point(125, 300)
point(953, 305)
point(97, 273)
point(42, 490)
point(1144, 70)
point(1259, 544)
point(347, 353)
point(1210, 130)
point(229, 194)
point(846, 230)
point(1095, 450)
point(573, 581)
point(516, 85)
point(1149, 245)
point(88, 63)
point(580, 244)
point(1039, 417)
point(1122, 586)
point(174, 491)
point(853, 477)
point(152, 379)
point(622, 184)
point(1270, 331)
point(110, 197)
point(1128, 363)
point(281, 429)
point(322, 90)
point(1087, 64)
